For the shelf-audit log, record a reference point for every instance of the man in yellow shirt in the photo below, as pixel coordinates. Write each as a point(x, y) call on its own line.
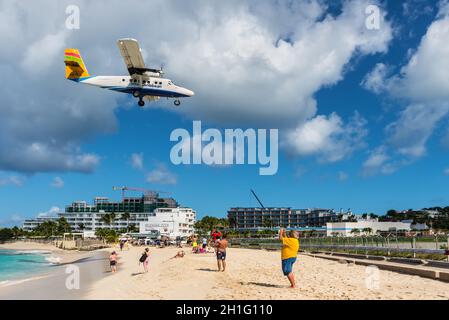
point(290, 247)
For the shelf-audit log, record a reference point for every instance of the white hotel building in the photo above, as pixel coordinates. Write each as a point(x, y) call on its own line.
point(149, 213)
point(344, 228)
point(171, 222)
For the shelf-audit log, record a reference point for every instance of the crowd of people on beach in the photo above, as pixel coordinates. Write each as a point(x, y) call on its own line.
point(217, 243)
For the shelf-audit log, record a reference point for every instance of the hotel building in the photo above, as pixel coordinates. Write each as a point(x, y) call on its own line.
point(149, 208)
point(256, 218)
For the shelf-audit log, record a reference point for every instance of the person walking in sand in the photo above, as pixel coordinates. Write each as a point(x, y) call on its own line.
point(145, 259)
point(221, 246)
point(289, 252)
point(113, 261)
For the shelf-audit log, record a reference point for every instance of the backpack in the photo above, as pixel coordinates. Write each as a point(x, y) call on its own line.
point(143, 258)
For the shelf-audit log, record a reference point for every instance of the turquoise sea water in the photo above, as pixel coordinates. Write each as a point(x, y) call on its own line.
point(17, 264)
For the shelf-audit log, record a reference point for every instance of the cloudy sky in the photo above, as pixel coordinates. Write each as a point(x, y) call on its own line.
point(362, 113)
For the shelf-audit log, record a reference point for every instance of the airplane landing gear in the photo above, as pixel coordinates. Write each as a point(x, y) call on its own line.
point(136, 94)
point(141, 103)
point(177, 102)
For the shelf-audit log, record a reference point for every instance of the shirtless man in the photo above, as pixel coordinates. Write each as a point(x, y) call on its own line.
point(221, 246)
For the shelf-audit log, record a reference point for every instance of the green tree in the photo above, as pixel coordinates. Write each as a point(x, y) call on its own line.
point(63, 226)
point(126, 216)
point(46, 229)
point(6, 234)
point(106, 219)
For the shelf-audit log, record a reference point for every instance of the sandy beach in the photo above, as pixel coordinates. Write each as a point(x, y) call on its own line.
point(51, 282)
point(251, 274)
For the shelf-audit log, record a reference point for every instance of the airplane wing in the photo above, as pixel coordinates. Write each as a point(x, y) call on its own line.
point(131, 53)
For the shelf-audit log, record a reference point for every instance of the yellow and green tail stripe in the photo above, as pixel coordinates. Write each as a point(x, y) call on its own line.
point(74, 65)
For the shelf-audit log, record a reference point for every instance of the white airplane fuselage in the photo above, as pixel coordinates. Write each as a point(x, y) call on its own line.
point(151, 86)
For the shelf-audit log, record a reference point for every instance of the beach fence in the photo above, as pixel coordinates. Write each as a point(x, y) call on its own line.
point(432, 248)
point(81, 244)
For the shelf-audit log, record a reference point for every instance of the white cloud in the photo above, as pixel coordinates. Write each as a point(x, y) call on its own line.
point(161, 175)
point(52, 212)
point(137, 161)
point(248, 63)
point(11, 180)
point(381, 162)
point(327, 137)
point(375, 80)
point(57, 182)
point(410, 133)
point(446, 171)
point(41, 54)
point(423, 85)
point(14, 219)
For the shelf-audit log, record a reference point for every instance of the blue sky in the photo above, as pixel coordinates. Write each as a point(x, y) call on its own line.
point(383, 162)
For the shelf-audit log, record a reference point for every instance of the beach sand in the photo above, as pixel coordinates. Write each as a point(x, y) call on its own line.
point(254, 274)
point(250, 274)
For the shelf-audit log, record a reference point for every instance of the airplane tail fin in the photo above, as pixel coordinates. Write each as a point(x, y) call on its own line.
point(74, 65)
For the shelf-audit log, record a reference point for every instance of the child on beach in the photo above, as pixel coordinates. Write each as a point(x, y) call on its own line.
point(145, 259)
point(113, 261)
point(290, 247)
point(194, 246)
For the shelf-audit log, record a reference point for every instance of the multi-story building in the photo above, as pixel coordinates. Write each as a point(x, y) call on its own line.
point(254, 218)
point(30, 224)
point(149, 208)
point(171, 222)
point(346, 229)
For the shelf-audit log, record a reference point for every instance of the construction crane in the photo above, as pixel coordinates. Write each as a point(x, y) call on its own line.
point(145, 191)
point(257, 198)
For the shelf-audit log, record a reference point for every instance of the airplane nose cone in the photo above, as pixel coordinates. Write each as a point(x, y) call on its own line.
point(186, 92)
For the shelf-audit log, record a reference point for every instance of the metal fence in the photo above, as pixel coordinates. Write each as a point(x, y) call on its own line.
point(434, 247)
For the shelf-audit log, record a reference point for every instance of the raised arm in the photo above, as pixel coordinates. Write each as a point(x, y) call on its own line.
point(281, 233)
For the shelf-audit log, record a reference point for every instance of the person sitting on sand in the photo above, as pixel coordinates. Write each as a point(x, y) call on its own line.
point(145, 259)
point(113, 261)
point(180, 254)
point(289, 252)
point(221, 246)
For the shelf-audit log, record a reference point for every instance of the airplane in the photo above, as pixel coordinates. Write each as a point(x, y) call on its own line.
point(142, 82)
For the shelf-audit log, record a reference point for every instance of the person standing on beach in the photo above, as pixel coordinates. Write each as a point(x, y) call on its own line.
point(145, 259)
point(289, 252)
point(215, 235)
point(221, 246)
point(113, 261)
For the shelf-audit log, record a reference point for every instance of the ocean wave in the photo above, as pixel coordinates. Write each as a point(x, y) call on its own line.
point(7, 283)
point(32, 252)
point(53, 260)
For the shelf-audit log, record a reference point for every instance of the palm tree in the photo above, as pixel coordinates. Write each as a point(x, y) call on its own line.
point(126, 217)
point(367, 231)
point(113, 216)
point(106, 219)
